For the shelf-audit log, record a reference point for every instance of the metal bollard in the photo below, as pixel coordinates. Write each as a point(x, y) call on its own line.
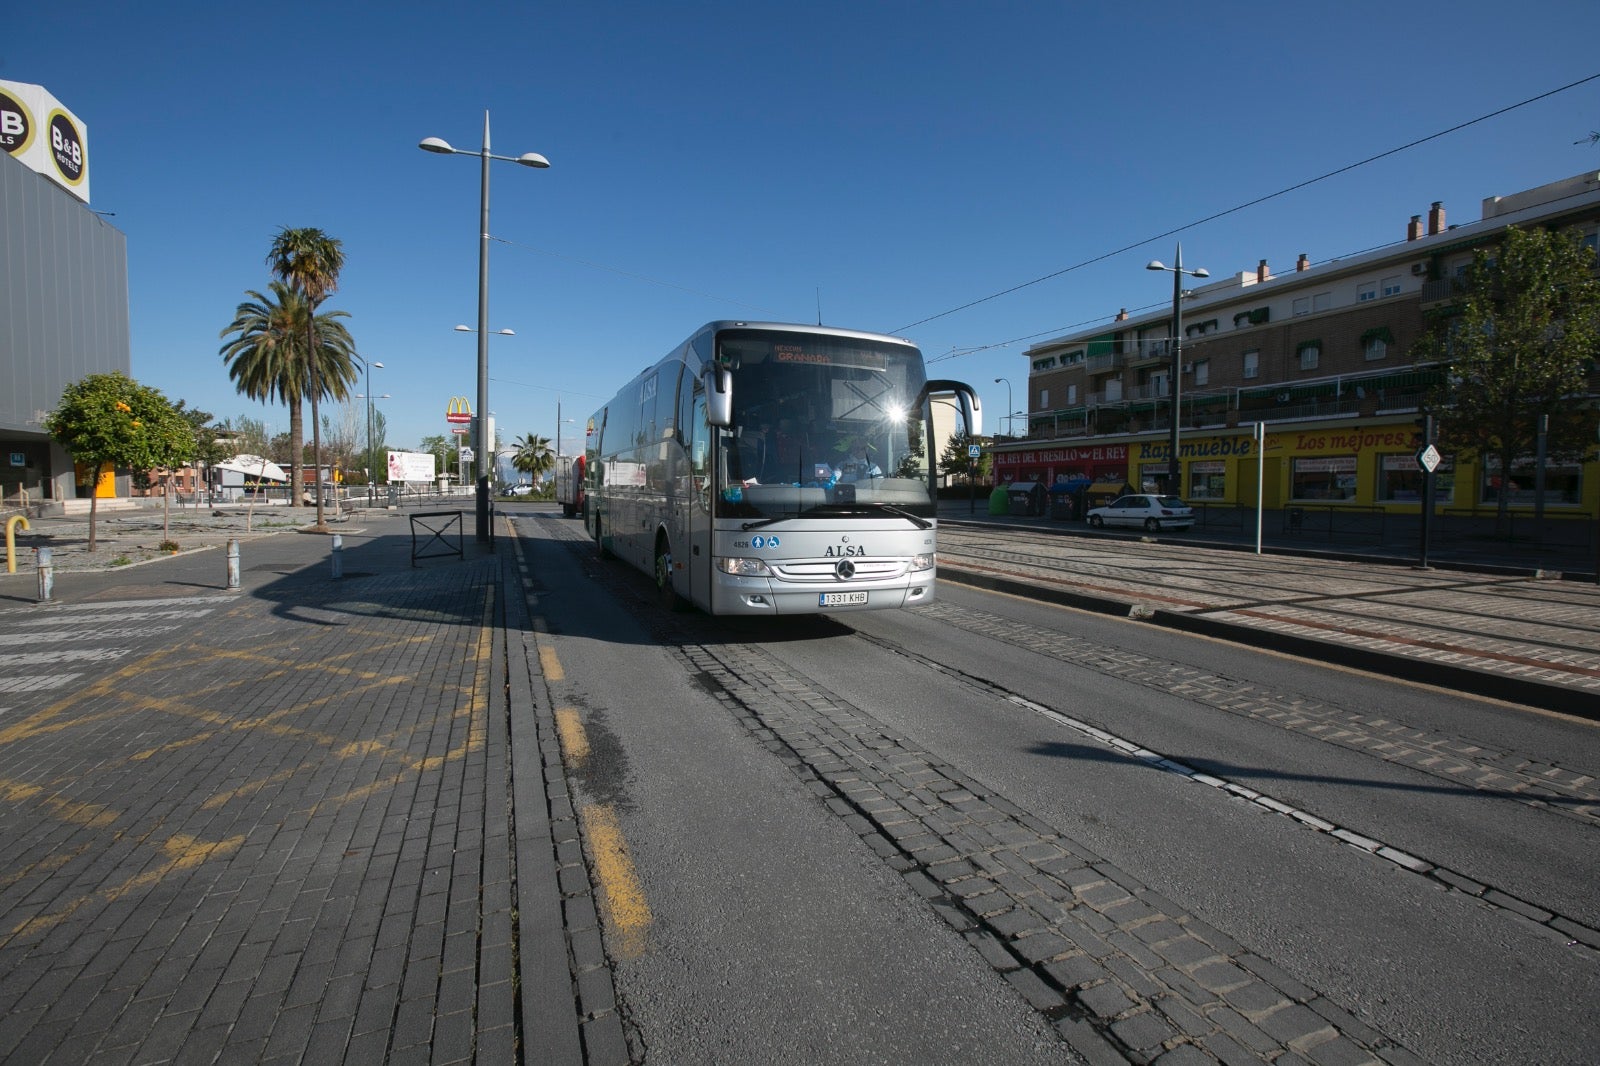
point(47, 574)
point(338, 556)
point(233, 563)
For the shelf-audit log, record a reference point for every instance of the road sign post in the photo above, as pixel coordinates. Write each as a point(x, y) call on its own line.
point(1428, 462)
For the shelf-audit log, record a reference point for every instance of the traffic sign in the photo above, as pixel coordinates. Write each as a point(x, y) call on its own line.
point(1428, 459)
point(974, 451)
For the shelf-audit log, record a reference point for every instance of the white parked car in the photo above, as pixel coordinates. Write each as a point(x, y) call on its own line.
point(1152, 512)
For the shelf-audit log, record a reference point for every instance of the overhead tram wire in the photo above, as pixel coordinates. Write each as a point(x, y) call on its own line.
point(1058, 330)
point(1252, 203)
point(639, 277)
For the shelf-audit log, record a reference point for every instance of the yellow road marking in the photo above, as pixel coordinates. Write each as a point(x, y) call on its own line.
point(622, 896)
point(550, 664)
point(574, 741)
point(183, 852)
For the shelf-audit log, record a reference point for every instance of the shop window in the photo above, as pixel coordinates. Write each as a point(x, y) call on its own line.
point(1208, 480)
point(1331, 477)
point(1400, 480)
point(1563, 485)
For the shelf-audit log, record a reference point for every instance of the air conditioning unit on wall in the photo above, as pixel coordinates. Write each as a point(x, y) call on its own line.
point(1419, 269)
point(1188, 368)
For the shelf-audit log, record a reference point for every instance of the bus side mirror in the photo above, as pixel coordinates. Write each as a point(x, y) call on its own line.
point(719, 395)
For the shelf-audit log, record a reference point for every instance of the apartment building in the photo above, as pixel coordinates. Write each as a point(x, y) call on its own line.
point(1314, 359)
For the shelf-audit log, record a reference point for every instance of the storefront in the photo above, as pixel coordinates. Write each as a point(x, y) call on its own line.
point(1364, 464)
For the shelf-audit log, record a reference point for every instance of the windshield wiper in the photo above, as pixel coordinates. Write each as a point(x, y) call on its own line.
point(859, 507)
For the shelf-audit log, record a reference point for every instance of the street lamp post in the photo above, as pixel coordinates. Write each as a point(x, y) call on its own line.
point(1009, 408)
point(369, 365)
point(527, 159)
point(1173, 484)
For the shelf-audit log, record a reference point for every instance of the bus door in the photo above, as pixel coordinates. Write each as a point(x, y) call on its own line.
point(697, 552)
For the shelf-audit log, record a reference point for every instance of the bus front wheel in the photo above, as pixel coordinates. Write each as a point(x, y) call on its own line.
point(666, 595)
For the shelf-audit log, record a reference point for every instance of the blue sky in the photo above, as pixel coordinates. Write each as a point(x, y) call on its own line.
point(886, 162)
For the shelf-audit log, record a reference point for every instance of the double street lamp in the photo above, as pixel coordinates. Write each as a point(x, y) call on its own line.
point(527, 159)
point(1174, 486)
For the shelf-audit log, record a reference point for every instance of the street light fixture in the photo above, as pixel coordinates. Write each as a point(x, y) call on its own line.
point(527, 159)
point(1174, 486)
point(1008, 404)
point(369, 365)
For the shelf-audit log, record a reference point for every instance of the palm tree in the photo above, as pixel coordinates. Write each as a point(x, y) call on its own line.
point(533, 455)
point(309, 261)
point(267, 357)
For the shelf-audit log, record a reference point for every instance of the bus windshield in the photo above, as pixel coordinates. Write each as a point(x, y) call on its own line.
point(821, 424)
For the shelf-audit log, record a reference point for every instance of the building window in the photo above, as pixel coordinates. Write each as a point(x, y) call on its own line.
point(1306, 305)
point(1208, 480)
point(1400, 480)
point(1376, 348)
point(1310, 354)
point(1563, 485)
point(1367, 290)
point(1252, 364)
point(1072, 395)
point(1330, 477)
point(1202, 372)
point(1391, 286)
point(1044, 399)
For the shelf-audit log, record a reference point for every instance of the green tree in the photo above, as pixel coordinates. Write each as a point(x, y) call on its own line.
point(309, 261)
point(267, 359)
point(209, 446)
point(534, 455)
point(1517, 348)
point(110, 420)
point(447, 449)
point(955, 462)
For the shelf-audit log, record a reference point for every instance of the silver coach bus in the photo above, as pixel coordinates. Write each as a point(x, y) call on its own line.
point(767, 469)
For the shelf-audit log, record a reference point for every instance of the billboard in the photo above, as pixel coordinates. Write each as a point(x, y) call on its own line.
point(38, 132)
point(411, 466)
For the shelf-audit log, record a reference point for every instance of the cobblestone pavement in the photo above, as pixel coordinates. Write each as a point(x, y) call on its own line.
point(280, 828)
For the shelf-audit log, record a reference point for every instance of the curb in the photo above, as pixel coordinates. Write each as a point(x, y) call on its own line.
point(1442, 675)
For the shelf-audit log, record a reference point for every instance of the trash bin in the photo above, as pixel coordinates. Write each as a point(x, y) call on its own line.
point(1026, 499)
point(1063, 505)
point(1297, 519)
point(999, 502)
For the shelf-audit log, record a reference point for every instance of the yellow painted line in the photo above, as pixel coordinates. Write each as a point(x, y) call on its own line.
point(550, 664)
point(574, 741)
point(183, 852)
point(91, 815)
point(622, 897)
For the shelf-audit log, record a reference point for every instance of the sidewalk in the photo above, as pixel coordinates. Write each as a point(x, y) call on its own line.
point(280, 828)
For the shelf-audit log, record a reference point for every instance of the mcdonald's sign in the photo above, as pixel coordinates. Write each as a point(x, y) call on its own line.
point(458, 411)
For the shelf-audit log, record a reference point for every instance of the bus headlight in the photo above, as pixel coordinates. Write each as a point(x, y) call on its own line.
point(744, 567)
point(922, 562)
